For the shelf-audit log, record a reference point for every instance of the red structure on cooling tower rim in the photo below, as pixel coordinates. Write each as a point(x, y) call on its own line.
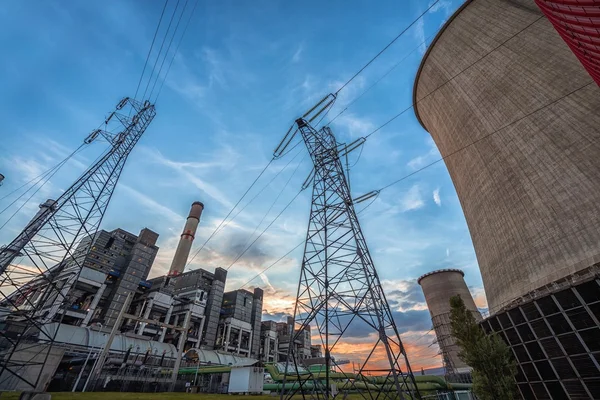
point(578, 23)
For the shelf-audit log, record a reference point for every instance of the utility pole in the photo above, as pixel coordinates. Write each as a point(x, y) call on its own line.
point(180, 345)
point(339, 286)
point(48, 245)
point(106, 350)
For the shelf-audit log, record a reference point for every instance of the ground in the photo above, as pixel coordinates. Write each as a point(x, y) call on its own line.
point(140, 396)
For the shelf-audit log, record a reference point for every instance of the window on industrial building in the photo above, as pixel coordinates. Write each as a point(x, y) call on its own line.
point(580, 318)
point(591, 338)
point(520, 353)
point(589, 291)
point(516, 316)
point(567, 299)
point(495, 324)
point(576, 390)
point(540, 328)
point(551, 347)
point(593, 386)
point(540, 391)
point(585, 366)
point(530, 372)
point(520, 377)
point(525, 332)
point(547, 305)
point(545, 370)
point(504, 321)
point(595, 308)
point(512, 336)
point(570, 342)
point(526, 391)
point(559, 324)
point(563, 368)
point(535, 351)
point(557, 390)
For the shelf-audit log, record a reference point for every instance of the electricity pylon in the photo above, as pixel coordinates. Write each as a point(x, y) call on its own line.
point(47, 247)
point(339, 292)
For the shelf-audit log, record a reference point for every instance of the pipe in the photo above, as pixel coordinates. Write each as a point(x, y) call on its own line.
point(187, 237)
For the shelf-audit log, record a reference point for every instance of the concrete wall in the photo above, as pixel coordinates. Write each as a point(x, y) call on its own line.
point(438, 287)
point(39, 363)
point(530, 191)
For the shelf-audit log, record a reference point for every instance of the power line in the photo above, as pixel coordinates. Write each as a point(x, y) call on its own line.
point(267, 213)
point(482, 138)
point(431, 164)
point(150, 50)
point(45, 175)
point(176, 50)
point(168, 48)
point(378, 80)
point(161, 47)
point(230, 211)
point(452, 78)
point(386, 47)
point(47, 179)
point(264, 230)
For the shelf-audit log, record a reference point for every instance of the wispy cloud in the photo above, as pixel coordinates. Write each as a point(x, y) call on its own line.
point(298, 53)
point(412, 200)
point(422, 160)
point(184, 169)
point(151, 204)
point(436, 197)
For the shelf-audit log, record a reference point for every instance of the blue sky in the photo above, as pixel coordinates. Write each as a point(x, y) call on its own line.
point(244, 72)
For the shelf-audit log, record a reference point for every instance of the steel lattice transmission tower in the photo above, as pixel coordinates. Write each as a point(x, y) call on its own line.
point(47, 247)
point(339, 290)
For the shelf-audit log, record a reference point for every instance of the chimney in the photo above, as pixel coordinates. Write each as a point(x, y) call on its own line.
point(187, 237)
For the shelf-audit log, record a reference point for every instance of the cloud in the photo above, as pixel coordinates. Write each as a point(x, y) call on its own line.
point(436, 197)
point(297, 55)
point(183, 168)
point(412, 200)
point(152, 205)
point(422, 160)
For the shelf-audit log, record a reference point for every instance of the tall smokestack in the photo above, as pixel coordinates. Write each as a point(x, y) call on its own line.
point(187, 237)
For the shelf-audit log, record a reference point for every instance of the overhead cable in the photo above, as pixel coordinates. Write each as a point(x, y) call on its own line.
point(176, 50)
point(160, 49)
point(230, 211)
point(264, 230)
point(168, 48)
point(482, 138)
point(267, 212)
point(386, 47)
point(150, 50)
point(382, 77)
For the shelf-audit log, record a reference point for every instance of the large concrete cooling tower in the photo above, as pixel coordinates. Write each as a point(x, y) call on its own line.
point(517, 118)
point(500, 80)
point(438, 287)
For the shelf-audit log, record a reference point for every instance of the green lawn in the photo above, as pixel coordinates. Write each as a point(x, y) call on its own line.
point(140, 396)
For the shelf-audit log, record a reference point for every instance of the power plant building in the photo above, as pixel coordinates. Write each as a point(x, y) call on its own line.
point(438, 287)
point(517, 118)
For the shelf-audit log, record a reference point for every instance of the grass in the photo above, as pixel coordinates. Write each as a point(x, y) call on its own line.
point(145, 396)
point(140, 396)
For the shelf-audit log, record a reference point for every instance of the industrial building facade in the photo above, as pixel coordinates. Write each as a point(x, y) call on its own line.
point(517, 119)
point(556, 340)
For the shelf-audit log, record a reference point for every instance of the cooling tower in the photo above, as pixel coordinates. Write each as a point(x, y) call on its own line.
point(438, 287)
point(517, 118)
point(529, 180)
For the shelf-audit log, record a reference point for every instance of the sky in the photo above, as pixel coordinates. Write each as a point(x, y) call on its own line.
point(243, 73)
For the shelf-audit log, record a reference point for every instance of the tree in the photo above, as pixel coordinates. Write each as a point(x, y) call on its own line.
point(493, 366)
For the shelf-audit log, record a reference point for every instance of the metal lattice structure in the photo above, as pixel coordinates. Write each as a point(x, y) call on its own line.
point(339, 290)
point(48, 246)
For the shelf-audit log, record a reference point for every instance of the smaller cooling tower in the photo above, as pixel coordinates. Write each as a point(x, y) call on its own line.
point(438, 287)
